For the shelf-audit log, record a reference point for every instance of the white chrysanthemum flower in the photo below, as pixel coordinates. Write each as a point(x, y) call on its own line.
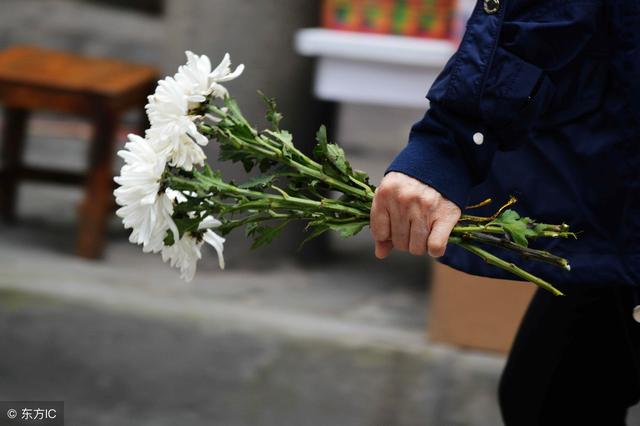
point(176, 196)
point(185, 253)
point(172, 129)
point(172, 139)
point(143, 209)
point(213, 239)
point(217, 242)
point(198, 80)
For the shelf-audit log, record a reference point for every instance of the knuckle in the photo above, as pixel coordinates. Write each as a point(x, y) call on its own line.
point(403, 198)
point(434, 197)
point(448, 212)
point(383, 191)
point(457, 213)
point(408, 197)
point(431, 195)
point(451, 208)
point(426, 202)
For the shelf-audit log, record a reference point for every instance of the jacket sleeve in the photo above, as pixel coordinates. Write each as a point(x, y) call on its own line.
point(494, 89)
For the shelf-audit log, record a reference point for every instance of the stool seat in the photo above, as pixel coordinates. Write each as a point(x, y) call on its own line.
point(37, 79)
point(64, 71)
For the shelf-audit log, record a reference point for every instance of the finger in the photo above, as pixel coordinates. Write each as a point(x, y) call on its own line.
point(399, 229)
point(440, 231)
point(379, 222)
point(383, 248)
point(418, 237)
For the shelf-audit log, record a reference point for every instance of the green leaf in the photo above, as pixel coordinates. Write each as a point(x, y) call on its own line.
point(266, 164)
point(251, 229)
point(233, 109)
point(287, 143)
point(320, 150)
point(315, 233)
point(347, 229)
point(518, 228)
point(264, 235)
point(186, 225)
point(273, 116)
point(336, 156)
point(361, 176)
point(321, 135)
point(207, 171)
point(332, 157)
point(168, 239)
point(259, 182)
point(212, 182)
point(229, 152)
point(247, 164)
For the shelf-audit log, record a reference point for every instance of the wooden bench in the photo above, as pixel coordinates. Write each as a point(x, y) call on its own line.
point(102, 90)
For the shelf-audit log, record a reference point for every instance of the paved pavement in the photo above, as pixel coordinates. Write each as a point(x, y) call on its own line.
point(129, 368)
point(266, 342)
point(123, 341)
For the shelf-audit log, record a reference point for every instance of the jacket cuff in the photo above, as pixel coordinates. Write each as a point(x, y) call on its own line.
point(435, 159)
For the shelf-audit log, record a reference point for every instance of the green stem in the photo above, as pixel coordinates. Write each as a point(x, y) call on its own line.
point(526, 252)
point(230, 225)
point(278, 201)
point(492, 229)
point(336, 184)
point(313, 169)
point(507, 266)
point(463, 229)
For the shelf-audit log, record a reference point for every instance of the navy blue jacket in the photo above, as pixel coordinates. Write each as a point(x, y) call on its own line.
point(553, 86)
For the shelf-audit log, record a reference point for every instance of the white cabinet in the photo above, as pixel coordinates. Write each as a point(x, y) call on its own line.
point(372, 68)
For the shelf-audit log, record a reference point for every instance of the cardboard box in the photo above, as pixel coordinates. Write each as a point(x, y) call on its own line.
point(476, 312)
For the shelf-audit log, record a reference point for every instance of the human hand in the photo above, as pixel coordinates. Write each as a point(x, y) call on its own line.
point(408, 215)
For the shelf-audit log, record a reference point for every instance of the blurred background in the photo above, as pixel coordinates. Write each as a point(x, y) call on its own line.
point(323, 336)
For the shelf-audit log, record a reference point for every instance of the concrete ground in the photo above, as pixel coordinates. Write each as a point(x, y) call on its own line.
point(266, 342)
point(123, 341)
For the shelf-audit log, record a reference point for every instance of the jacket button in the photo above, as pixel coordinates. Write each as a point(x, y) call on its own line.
point(636, 313)
point(491, 6)
point(478, 138)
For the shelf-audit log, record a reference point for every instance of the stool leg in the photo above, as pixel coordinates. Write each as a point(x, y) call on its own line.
point(13, 137)
point(95, 211)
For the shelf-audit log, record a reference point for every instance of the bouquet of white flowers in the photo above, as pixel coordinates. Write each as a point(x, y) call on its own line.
point(173, 201)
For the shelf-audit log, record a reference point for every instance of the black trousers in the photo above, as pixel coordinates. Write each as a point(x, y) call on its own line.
point(575, 360)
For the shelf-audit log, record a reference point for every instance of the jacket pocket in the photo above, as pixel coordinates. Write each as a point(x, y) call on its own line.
point(579, 90)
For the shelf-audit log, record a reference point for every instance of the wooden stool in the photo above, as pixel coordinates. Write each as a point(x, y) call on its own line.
point(34, 79)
